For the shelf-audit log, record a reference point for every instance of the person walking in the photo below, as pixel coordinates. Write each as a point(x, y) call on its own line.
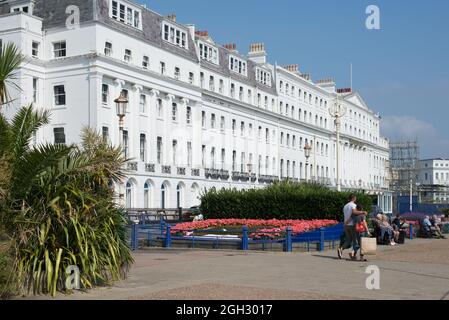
point(361, 230)
point(350, 236)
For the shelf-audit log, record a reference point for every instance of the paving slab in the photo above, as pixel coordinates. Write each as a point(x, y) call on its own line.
point(417, 270)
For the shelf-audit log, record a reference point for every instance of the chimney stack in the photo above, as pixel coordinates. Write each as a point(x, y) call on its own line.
point(294, 68)
point(344, 90)
point(230, 46)
point(257, 53)
point(306, 76)
point(203, 34)
point(327, 84)
point(172, 17)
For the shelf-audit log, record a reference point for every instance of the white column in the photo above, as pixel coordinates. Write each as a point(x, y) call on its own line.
point(134, 129)
point(153, 114)
point(168, 156)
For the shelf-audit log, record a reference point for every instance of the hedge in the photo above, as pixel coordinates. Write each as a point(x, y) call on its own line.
point(280, 201)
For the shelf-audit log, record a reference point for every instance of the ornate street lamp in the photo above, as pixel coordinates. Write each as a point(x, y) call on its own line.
point(307, 151)
point(337, 111)
point(121, 104)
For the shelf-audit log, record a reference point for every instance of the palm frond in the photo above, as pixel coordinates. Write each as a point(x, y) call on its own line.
point(32, 165)
point(10, 61)
point(24, 124)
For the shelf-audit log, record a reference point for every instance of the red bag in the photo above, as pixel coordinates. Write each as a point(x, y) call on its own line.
point(360, 228)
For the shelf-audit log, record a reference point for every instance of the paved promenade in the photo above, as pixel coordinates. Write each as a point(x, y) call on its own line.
point(417, 270)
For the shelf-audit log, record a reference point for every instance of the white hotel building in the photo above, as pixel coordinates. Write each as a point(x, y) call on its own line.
point(433, 180)
point(200, 115)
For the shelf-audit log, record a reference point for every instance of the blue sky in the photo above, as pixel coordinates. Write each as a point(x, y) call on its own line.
point(402, 70)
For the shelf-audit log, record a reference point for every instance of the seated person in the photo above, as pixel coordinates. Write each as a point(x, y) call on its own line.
point(378, 222)
point(435, 223)
point(386, 227)
point(399, 223)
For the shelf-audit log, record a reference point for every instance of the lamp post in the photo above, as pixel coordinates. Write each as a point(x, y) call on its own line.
point(121, 104)
point(307, 150)
point(337, 111)
point(411, 195)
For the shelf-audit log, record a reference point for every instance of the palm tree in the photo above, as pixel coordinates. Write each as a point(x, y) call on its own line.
point(57, 206)
point(10, 61)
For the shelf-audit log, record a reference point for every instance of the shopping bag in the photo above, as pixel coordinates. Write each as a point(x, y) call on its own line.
point(368, 246)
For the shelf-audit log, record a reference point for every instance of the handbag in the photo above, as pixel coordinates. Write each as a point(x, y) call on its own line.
point(368, 246)
point(360, 228)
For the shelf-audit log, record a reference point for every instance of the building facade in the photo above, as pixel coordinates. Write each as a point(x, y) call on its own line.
point(201, 115)
point(434, 180)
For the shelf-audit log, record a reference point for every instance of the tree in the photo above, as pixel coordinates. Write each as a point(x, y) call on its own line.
point(10, 61)
point(57, 206)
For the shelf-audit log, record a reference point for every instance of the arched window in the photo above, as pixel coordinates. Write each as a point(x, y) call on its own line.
point(146, 195)
point(128, 195)
point(179, 196)
point(163, 196)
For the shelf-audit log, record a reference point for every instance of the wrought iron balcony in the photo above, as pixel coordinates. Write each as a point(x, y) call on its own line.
point(150, 167)
point(132, 166)
point(268, 179)
point(242, 176)
point(166, 169)
point(224, 174)
point(212, 173)
point(195, 172)
point(181, 171)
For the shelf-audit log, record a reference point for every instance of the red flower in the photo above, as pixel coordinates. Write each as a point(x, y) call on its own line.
point(272, 227)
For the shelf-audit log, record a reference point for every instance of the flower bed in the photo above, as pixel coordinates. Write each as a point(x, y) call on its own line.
point(268, 228)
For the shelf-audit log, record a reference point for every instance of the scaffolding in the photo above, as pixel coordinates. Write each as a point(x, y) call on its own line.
point(404, 165)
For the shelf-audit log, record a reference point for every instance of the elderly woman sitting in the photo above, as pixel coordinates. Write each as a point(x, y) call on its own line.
point(385, 227)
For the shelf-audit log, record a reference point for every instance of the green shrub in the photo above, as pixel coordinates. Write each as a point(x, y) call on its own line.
point(57, 207)
point(8, 281)
point(284, 200)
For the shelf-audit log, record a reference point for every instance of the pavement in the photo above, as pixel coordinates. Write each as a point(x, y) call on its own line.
point(417, 270)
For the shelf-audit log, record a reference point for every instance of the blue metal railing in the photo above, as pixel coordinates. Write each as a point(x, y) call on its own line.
point(160, 234)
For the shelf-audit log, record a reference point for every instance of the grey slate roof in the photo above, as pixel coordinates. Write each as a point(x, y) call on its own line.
point(223, 68)
point(54, 16)
point(53, 13)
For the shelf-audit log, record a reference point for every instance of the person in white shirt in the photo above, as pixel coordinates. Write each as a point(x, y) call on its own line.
point(350, 210)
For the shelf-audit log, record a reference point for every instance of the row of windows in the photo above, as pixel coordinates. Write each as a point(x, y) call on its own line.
point(174, 35)
point(263, 76)
point(143, 105)
point(288, 170)
point(441, 165)
point(438, 176)
point(237, 65)
point(148, 194)
point(208, 53)
point(125, 14)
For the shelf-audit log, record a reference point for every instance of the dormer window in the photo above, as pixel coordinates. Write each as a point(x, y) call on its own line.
point(26, 8)
point(174, 35)
point(263, 76)
point(237, 65)
point(125, 13)
point(208, 52)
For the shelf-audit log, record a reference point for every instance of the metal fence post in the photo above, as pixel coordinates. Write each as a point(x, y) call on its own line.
point(162, 226)
point(168, 236)
point(411, 231)
point(180, 213)
point(134, 236)
point(245, 238)
point(321, 239)
point(288, 240)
